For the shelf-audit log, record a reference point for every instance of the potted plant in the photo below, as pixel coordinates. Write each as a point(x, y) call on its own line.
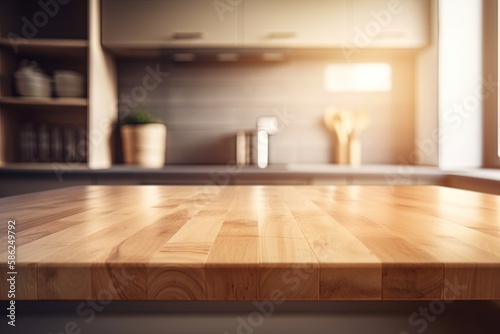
point(144, 139)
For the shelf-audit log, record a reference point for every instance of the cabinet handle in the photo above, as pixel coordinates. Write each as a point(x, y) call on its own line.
point(188, 35)
point(282, 34)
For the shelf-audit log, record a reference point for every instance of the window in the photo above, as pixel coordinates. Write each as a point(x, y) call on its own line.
point(362, 77)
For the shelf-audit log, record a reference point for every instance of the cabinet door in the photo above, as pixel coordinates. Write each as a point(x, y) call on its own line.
point(172, 23)
point(388, 23)
point(289, 23)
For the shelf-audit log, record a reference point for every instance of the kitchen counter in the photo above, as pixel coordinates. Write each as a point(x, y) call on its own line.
point(25, 178)
point(277, 169)
point(254, 242)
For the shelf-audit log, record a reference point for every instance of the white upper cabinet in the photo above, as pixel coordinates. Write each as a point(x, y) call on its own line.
point(168, 23)
point(388, 23)
point(344, 24)
point(289, 23)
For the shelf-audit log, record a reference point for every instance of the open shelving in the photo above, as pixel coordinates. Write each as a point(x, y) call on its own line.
point(38, 46)
point(69, 39)
point(43, 101)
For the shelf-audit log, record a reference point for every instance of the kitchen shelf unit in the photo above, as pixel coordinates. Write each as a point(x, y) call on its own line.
point(54, 46)
point(69, 39)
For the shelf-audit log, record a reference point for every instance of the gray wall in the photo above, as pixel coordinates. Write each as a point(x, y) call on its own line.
point(204, 103)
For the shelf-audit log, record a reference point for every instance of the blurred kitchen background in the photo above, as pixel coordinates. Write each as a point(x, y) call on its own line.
point(205, 102)
point(422, 74)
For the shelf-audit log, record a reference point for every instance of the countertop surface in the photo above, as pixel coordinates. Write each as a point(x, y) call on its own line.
point(254, 242)
point(231, 169)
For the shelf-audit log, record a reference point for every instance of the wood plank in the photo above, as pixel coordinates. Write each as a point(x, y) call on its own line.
point(177, 270)
point(349, 270)
point(242, 219)
point(54, 271)
point(407, 271)
point(275, 220)
point(44, 102)
point(457, 245)
point(48, 43)
point(26, 288)
point(288, 269)
point(123, 274)
point(254, 242)
point(232, 269)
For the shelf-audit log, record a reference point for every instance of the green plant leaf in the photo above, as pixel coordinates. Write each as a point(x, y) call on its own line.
point(140, 116)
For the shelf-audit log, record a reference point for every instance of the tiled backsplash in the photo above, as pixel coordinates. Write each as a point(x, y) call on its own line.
point(204, 104)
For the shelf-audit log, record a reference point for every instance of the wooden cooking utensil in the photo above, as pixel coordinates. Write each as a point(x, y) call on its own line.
point(346, 126)
point(334, 123)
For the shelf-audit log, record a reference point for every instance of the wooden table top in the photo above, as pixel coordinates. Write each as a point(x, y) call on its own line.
point(253, 242)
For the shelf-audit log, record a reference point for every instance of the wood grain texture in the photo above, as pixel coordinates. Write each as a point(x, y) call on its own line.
point(254, 242)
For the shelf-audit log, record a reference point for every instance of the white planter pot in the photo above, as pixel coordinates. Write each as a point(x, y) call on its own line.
point(144, 144)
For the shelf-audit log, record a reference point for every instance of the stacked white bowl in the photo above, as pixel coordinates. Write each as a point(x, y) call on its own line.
point(31, 82)
point(69, 83)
